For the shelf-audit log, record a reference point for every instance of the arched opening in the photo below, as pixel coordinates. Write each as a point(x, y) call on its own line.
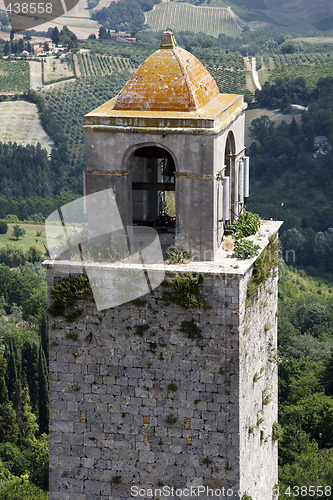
point(153, 190)
point(229, 171)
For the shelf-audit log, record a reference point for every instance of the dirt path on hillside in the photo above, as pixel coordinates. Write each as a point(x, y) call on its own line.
point(36, 75)
point(255, 75)
point(54, 85)
point(249, 79)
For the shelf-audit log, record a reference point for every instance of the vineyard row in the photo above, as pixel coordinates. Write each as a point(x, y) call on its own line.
point(281, 60)
point(229, 82)
point(14, 76)
point(91, 64)
point(310, 72)
point(186, 17)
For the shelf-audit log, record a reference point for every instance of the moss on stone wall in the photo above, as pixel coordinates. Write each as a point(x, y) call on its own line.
point(186, 291)
point(264, 265)
point(65, 293)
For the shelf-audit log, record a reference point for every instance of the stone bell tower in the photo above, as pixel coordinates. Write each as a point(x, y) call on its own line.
point(170, 129)
point(173, 394)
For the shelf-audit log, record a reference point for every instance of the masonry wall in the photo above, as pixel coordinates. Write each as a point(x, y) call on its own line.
point(161, 408)
point(258, 389)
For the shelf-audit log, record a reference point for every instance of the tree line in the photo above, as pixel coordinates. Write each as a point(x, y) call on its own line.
point(24, 170)
point(125, 15)
point(286, 91)
point(30, 180)
point(287, 170)
point(305, 338)
point(24, 389)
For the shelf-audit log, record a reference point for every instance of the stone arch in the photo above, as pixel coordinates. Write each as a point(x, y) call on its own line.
point(152, 183)
point(230, 170)
point(131, 151)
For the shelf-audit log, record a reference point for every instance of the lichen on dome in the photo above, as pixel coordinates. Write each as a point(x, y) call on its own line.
point(171, 79)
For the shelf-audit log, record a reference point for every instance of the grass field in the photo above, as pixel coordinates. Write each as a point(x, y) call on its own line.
point(28, 240)
point(57, 69)
point(105, 3)
point(264, 71)
point(14, 76)
point(303, 9)
point(20, 123)
point(249, 77)
point(186, 17)
point(250, 15)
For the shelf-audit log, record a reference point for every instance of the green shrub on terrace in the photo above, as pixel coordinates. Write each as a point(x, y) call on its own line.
point(246, 224)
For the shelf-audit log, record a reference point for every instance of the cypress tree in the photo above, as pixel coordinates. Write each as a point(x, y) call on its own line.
point(8, 425)
point(26, 420)
point(3, 386)
point(44, 336)
point(13, 379)
point(43, 385)
point(30, 368)
point(9, 429)
point(327, 377)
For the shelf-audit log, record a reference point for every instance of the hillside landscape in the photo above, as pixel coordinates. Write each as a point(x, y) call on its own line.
point(42, 155)
point(198, 19)
point(293, 15)
point(297, 16)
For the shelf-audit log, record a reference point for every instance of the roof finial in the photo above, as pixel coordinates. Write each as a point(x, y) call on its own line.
point(168, 40)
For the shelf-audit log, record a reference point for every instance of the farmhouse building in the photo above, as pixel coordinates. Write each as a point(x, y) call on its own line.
point(322, 144)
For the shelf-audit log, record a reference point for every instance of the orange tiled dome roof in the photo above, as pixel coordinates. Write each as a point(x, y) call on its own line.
point(171, 79)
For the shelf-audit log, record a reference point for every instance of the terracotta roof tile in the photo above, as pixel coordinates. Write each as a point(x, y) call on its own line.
point(171, 79)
